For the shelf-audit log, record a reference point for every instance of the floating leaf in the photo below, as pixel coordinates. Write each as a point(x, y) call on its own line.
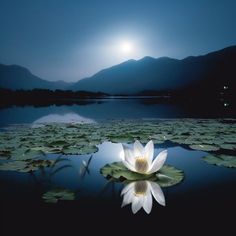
point(221, 160)
point(57, 143)
point(121, 138)
point(26, 165)
point(14, 166)
point(5, 154)
point(55, 195)
point(88, 149)
point(71, 150)
point(26, 154)
point(228, 146)
point(167, 176)
point(204, 147)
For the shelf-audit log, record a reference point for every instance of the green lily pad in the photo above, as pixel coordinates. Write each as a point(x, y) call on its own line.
point(57, 143)
point(14, 166)
point(167, 176)
point(121, 138)
point(5, 154)
point(71, 150)
point(88, 149)
point(24, 153)
point(26, 165)
point(55, 195)
point(228, 146)
point(204, 147)
point(221, 160)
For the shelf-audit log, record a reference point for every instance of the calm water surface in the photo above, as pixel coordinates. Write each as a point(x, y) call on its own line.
point(95, 110)
point(207, 190)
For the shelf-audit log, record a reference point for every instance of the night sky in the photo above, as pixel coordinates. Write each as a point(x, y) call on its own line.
point(72, 39)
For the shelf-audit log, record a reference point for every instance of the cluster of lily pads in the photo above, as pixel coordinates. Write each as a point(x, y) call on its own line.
point(24, 143)
point(23, 148)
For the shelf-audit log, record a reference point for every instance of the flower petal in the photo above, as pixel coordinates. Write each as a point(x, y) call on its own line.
point(128, 198)
point(149, 151)
point(138, 149)
point(128, 166)
point(158, 162)
point(127, 188)
point(157, 193)
point(147, 205)
point(128, 155)
point(137, 203)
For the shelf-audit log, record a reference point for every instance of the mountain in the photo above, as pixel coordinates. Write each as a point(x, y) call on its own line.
point(17, 77)
point(195, 76)
point(200, 73)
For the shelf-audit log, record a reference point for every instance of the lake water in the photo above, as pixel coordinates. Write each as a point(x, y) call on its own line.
point(112, 109)
point(205, 197)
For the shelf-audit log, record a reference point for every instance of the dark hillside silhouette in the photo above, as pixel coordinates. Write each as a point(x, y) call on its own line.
point(44, 97)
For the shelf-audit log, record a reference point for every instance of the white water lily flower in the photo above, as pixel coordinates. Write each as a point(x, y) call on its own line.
point(139, 194)
point(140, 159)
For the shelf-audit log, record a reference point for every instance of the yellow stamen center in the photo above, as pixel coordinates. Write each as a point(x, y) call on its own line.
point(141, 164)
point(140, 188)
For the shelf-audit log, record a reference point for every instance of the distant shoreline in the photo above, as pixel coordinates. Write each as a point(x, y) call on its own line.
point(45, 97)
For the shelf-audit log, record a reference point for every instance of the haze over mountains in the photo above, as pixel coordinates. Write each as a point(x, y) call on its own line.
point(18, 77)
point(161, 74)
point(206, 73)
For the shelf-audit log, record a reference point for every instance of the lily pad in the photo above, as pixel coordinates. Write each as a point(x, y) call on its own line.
point(57, 143)
point(204, 147)
point(71, 150)
point(5, 154)
point(26, 165)
point(88, 149)
point(14, 166)
point(24, 153)
point(221, 160)
point(167, 176)
point(228, 146)
point(55, 195)
point(121, 138)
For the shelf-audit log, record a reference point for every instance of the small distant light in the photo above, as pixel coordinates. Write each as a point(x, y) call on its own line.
point(226, 104)
point(225, 87)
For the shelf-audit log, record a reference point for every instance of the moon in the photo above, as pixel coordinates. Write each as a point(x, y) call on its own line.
point(127, 47)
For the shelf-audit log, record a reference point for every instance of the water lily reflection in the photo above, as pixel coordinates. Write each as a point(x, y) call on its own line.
point(140, 193)
point(140, 159)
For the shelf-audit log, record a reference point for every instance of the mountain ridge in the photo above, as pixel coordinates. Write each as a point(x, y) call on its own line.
point(17, 77)
point(162, 73)
point(135, 76)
